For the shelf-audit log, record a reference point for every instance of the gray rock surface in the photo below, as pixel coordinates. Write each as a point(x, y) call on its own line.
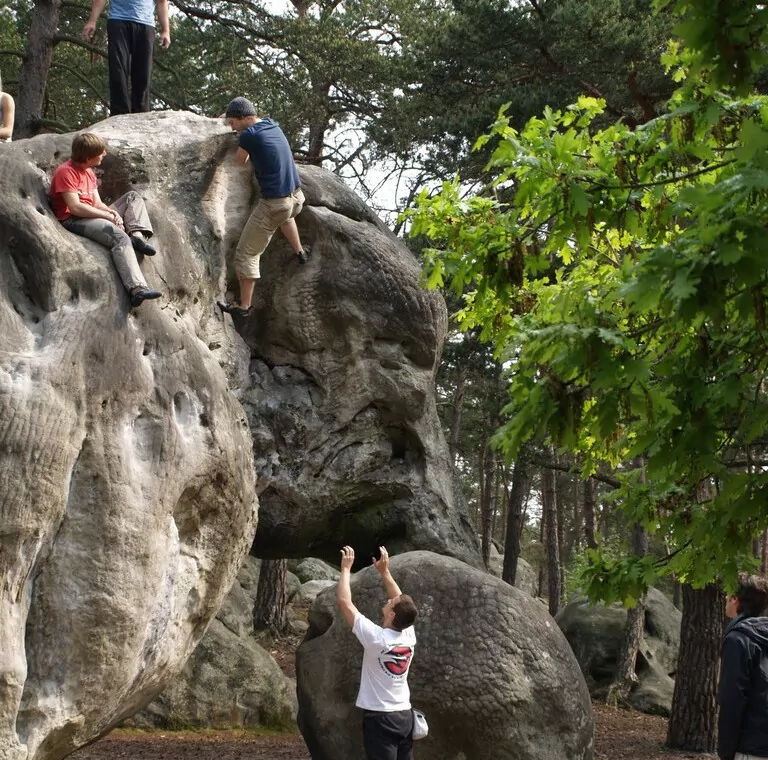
point(313, 569)
point(526, 578)
point(309, 591)
point(127, 481)
point(229, 682)
point(347, 440)
point(492, 671)
point(127, 496)
point(595, 633)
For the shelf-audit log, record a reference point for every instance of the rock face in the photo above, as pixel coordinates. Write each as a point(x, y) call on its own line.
point(127, 497)
point(347, 442)
point(127, 493)
point(492, 672)
point(595, 633)
point(229, 681)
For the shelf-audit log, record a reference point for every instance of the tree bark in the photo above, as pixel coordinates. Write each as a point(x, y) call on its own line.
point(693, 722)
point(560, 492)
point(764, 554)
point(520, 484)
point(543, 543)
point(486, 501)
point(269, 609)
point(626, 675)
point(35, 67)
point(318, 125)
point(577, 521)
point(549, 508)
point(458, 408)
point(589, 513)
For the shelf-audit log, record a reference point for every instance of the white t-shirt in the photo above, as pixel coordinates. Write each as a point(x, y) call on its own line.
point(386, 660)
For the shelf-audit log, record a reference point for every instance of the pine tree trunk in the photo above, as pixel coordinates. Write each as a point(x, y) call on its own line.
point(692, 725)
point(577, 520)
point(498, 502)
point(486, 501)
point(626, 676)
point(543, 542)
point(589, 513)
point(35, 67)
point(549, 508)
point(269, 609)
point(560, 507)
point(764, 556)
point(458, 409)
point(520, 485)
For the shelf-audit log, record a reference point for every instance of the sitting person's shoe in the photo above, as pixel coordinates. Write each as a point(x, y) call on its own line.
point(304, 254)
point(234, 308)
point(141, 294)
point(140, 244)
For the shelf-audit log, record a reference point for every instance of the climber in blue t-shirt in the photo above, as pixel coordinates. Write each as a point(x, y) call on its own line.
point(130, 43)
point(263, 143)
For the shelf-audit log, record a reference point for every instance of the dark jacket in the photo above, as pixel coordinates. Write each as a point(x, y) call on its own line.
point(743, 693)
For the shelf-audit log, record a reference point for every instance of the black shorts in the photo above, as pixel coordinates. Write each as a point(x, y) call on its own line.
point(388, 735)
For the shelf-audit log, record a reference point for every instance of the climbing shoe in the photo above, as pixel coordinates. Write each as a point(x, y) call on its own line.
point(140, 245)
point(141, 294)
point(304, 254)
point(234, 308)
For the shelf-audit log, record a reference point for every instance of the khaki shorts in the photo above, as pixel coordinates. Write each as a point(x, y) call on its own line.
point(264, 220)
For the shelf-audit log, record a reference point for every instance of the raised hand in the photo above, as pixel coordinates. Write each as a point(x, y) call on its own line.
point(347, 558)
point(381, 564)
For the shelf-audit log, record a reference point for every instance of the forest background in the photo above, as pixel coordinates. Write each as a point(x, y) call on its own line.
point(601, 248)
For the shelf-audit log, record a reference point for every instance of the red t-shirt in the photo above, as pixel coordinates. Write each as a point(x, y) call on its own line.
point(67, 178)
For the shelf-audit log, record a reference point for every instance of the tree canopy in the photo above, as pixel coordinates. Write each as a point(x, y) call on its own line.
point(620, 272)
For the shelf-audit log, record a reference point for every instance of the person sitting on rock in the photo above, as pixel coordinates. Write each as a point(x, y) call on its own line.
point(263, 142)
point(7, 108)
point(123, 227)
point(384, 696)
point(743, 691)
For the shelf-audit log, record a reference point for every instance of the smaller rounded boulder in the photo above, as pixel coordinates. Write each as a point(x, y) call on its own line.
point(492, 671)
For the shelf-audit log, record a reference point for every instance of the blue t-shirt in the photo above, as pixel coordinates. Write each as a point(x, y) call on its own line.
point(271, 157)
point(140, 11)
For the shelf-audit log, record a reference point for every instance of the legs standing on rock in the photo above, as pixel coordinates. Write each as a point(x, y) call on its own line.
point(129, 49)
point(268, 215)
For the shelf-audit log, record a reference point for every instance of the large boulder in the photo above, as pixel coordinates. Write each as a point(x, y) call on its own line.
point(526, 578)
point(127, 490)
point(347, 441)
point(492, 671)
point(229, 681)
point(313, 569)
point(127, 497)
point(596, 632)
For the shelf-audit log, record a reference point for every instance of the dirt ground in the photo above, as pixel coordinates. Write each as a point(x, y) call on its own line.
point(619, 735)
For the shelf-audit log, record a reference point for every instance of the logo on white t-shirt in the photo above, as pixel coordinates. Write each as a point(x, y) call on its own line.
point(395, 661)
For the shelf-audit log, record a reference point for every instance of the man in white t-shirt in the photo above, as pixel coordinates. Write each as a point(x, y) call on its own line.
point(384, 696)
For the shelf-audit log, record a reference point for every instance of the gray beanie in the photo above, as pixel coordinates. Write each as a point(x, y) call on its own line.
point(240, 107)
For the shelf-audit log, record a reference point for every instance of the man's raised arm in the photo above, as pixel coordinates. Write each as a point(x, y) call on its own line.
point(343, 591)
point(382, 565)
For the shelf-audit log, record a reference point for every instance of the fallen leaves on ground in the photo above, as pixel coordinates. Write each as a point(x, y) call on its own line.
point(619, 735)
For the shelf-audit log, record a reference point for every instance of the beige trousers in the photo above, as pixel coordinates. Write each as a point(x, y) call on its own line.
point(263, 222)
